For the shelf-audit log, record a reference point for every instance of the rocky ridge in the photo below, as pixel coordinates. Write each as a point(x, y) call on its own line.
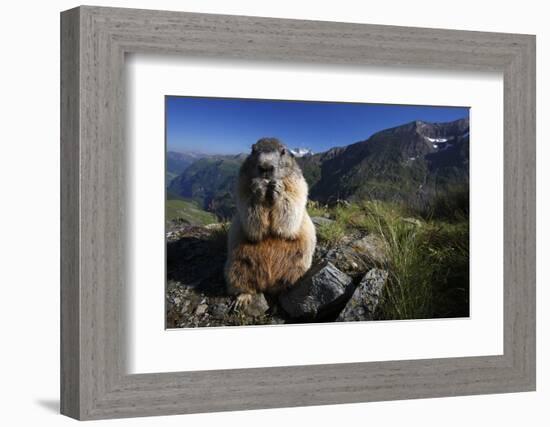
point(344, 283)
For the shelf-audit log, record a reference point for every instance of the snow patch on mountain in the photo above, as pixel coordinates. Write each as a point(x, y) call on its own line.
point(301, 152)
point(437, 139)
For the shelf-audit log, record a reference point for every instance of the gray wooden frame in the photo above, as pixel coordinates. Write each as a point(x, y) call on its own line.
point(94, 41)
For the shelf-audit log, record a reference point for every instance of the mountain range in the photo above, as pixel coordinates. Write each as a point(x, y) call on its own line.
point(177, 162)
point(412, 163)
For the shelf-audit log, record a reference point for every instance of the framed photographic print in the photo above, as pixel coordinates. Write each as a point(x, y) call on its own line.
point(392, 207)
point(350, 209)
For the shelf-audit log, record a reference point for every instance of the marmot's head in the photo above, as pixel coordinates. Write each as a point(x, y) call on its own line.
point(270, 159)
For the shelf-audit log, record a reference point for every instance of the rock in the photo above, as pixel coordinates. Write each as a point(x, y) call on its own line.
point(195, 259)
point(187, 307)
point(201, 309)
point(356, 256)
point(318, 293)
point(219, 310)
point(362, 305)
point(319, 220)
point(218, 226)
point(371, 247)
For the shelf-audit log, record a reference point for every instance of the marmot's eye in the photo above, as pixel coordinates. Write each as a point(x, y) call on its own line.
point(283, 152)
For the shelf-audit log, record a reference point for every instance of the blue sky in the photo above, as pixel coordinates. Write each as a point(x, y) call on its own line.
point(231, 126)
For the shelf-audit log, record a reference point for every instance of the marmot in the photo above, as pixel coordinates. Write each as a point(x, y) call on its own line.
point(272, 238)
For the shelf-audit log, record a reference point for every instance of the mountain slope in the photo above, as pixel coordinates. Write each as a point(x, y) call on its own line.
point(210, 182)
point(177, 162)
point(186, 212)
point(408, 161)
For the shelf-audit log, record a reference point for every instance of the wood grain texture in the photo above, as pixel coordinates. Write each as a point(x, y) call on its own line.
point(94, 382)
point(70, 259)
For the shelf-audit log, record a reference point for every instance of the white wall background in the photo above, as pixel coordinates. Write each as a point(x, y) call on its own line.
point(29, 224)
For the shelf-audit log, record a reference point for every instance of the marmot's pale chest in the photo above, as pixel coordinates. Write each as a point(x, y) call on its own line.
point(271, 239)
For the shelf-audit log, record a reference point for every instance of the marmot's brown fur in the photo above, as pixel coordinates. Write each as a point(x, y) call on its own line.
point(271, 239)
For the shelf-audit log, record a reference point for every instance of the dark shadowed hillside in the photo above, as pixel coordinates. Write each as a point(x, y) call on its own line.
point(406, 163)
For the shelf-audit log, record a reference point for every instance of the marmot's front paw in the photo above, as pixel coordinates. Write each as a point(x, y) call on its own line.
point(278, 188)
point(258, 187)
point(275, 189)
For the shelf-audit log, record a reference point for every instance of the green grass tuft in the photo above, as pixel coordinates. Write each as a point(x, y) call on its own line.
point(316, 209)
point(331, 233)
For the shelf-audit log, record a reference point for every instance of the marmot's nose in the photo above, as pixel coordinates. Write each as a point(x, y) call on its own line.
point(266, 168)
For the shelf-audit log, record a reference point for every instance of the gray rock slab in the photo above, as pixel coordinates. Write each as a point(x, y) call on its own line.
point(319, 291)
point(362, 305)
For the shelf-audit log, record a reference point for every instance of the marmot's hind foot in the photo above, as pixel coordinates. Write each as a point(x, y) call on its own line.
point(242, 301)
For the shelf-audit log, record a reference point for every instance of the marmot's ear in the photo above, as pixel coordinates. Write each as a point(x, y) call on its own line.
point(283, 151)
